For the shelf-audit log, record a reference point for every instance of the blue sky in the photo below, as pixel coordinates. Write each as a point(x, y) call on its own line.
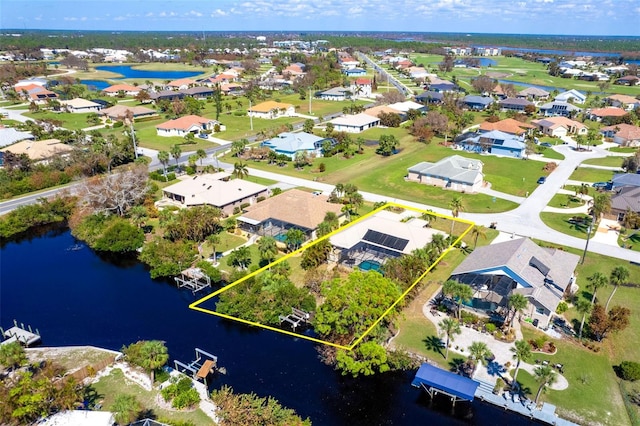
point(582, 17)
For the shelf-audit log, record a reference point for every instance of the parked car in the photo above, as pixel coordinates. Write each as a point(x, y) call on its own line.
point(600, 185)
point(546, 144)
point(542, 179)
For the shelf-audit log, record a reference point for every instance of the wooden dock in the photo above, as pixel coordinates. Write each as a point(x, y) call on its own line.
point(20, 333)
point(200, 368)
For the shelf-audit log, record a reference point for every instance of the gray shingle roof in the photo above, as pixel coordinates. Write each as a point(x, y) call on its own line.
point(627, 198)
point(547, 272)
point(455, 168)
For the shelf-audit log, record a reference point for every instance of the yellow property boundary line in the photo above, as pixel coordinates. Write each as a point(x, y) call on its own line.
point(195, 305)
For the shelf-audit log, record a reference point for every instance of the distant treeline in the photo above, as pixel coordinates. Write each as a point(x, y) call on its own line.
point(629, 47)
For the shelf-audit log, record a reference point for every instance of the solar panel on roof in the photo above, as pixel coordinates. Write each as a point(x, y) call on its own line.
point(385, 240)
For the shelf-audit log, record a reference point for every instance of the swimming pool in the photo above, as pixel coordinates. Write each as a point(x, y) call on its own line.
point(369, 265)
point(281, 237)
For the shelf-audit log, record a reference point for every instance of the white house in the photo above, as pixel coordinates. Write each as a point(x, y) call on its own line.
point(560, 126)
point(271, 110)
point(354, 123)
point(187, 124)
point(361, 88)
point(577, 97)
point(127, 89)
point(79, 105)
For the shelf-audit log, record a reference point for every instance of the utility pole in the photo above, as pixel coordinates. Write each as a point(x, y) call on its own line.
point(309, 99)
point(586, 245)
point(250, 116)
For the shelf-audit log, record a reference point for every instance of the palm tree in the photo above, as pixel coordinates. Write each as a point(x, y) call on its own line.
point(583, 307)
point(619, 276)
point(126, 409)
point(240, 257)
point(596, 281)
point(478, 231)
point(176, 151)
point(332, 220)
point(521, 352)
point(267, 248)
point(154, 355)
point(463, 293)
point(294, 237)
point(201, 154)
point(456, 207)
point(545, 375)
point(213, 240)
point(479, 352)
point(449, 327)
point(449, 288)
point(163, 158)
point(517, 303)
point(240, 170)
point(138, 214)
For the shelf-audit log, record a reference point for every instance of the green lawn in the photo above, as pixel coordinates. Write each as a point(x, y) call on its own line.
point(551, 154)
point(115, 384)
point(590, 376)
point(586, 174)
point(560, 222)
point(606, 161)
point(567, 201)
point(385, 175)
point(630, 239)
point(623, 149)
point(69, 120)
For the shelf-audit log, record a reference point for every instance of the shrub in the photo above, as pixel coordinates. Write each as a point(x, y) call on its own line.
point(118, 124)
point(630, 370)
point(562, 308)
point(322, 167)
point(244, 205)
point(490, 328)
point(260, 198)
point(181, 393)
point(236, 210)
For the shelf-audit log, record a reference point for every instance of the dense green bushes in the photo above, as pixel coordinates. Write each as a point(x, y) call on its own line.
point(109, 233)
point(167, 258)
point(630, 370)
point(181, 393)
point(22, 218)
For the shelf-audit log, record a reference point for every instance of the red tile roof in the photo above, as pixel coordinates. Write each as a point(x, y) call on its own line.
point(608, 112)
point(363, 81)
point(184, 123)
point(124, 87)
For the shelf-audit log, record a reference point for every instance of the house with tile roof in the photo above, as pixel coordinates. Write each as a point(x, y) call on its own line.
point(533, 93)
point(37, 94)
point(626, 102)
point(79, 105)
point(289, 143)
point(214, 190)
point(361, 87)
point(117, 112)
point(508, 125)
point(354, 123)
point(599, 114)
point(559, 126)
point(39, 151)
point(181, 84)
point(623, 134)
point(494, 142)
point(628, 80)
point(456, 173)
point(519, 266)
point(271, 110)
point(188, 124)
point(127, 89)
point(290, 209)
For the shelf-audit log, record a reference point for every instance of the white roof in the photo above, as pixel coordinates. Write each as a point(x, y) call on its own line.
point(357, 120)
point(80, 103)
point(389, 223)
point(209, 189)
point(406, 106)
point(79, 418)
point(9, 135)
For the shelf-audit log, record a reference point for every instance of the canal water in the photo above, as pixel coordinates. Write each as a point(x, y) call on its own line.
point(75, 296)
point(128, 72)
